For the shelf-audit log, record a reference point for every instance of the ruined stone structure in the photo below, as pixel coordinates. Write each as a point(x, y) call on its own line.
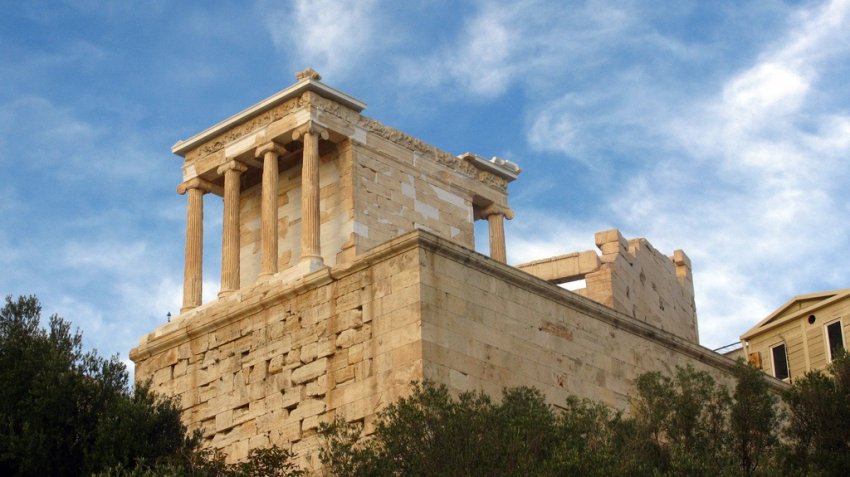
point(348, 270)
point(632, 278)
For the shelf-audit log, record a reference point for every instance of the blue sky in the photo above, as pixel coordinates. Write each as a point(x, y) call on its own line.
point(722, 128)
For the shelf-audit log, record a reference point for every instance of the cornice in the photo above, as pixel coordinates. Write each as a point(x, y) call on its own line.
point(181, 148)
point(503, 168)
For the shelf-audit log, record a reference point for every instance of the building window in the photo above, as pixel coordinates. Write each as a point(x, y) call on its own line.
point(834, 338)
point(780, 362)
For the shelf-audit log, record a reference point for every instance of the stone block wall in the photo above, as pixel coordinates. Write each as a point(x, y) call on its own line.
point(268, 363)
point(487, 326)
point(397, 193)
point(631, 277)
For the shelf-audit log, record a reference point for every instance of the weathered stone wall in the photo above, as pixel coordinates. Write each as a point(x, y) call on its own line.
point(397, 194)
point(631, 277)
point(269, 362)
point(486, 326)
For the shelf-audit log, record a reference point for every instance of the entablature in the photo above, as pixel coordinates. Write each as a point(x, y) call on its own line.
point(309, 101)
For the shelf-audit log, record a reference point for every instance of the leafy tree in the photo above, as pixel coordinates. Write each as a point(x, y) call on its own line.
point(684, 423)
point(593, 440)
point(431, 433)
point(269, 462)
point(755, 423)
point(819, 409)
point(679, 425)
point(66, 412)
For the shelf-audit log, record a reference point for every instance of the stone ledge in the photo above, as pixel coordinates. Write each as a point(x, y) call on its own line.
point(302, 86)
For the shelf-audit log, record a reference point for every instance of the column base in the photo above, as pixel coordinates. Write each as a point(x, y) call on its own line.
point(187, 308)
point(224, 293)
point(265, 276)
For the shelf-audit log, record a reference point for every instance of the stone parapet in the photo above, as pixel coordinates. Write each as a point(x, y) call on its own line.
point(632, 277)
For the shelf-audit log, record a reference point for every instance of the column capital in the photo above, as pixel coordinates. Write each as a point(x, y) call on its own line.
point(312, 128)
point(197, 183)
point(494, 209)
point(232, 165)
point(270, 146)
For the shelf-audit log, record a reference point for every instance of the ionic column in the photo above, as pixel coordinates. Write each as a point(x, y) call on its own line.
point(230, 229)
point(496, 219)
point(311, 252)
point(193, 265)
point(268, 234)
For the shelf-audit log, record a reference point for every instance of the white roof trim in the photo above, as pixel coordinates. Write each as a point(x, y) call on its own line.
point(184, 146)
point(768, 323)
point(501, 167)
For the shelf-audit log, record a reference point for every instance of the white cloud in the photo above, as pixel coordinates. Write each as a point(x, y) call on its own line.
point(505, 43)
point(58, 141)
point(554, 129)
point(767, 89)
point(537, 234)
point(104, 256)
point(767, 165)
point(747, 177)
point(332, 36)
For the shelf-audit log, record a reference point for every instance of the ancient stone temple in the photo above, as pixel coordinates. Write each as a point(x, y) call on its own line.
point(348, 270)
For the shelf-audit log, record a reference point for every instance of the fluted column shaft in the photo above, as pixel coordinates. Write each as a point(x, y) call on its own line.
point(310, 214)
point(496, 216)
point(497, 237)
point(311, 251)
point(230, 230)
point(268, 218)
point(193, 263)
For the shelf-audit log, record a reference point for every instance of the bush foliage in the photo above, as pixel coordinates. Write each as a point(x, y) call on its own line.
point(67, 412)
point(680, 425)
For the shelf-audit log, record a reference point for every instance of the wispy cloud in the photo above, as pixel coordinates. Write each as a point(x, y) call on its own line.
point(331, 36)
point(61, 142)
point(745, 175)
point(761, 169)
point(529, 43)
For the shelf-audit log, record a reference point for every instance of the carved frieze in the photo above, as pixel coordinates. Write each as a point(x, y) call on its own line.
point(332, 107)
point(492, 180)
point(312, 100)
point(218, 142)
point(468, 168)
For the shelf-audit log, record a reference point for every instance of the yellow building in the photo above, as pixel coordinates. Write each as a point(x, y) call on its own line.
point(802, 335)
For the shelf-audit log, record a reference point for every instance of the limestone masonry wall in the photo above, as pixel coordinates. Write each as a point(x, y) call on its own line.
point(397, 194)
point(266, 364)
point(630, 277)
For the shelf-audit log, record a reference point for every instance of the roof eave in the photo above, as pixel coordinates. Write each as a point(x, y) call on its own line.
point(181, 148)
